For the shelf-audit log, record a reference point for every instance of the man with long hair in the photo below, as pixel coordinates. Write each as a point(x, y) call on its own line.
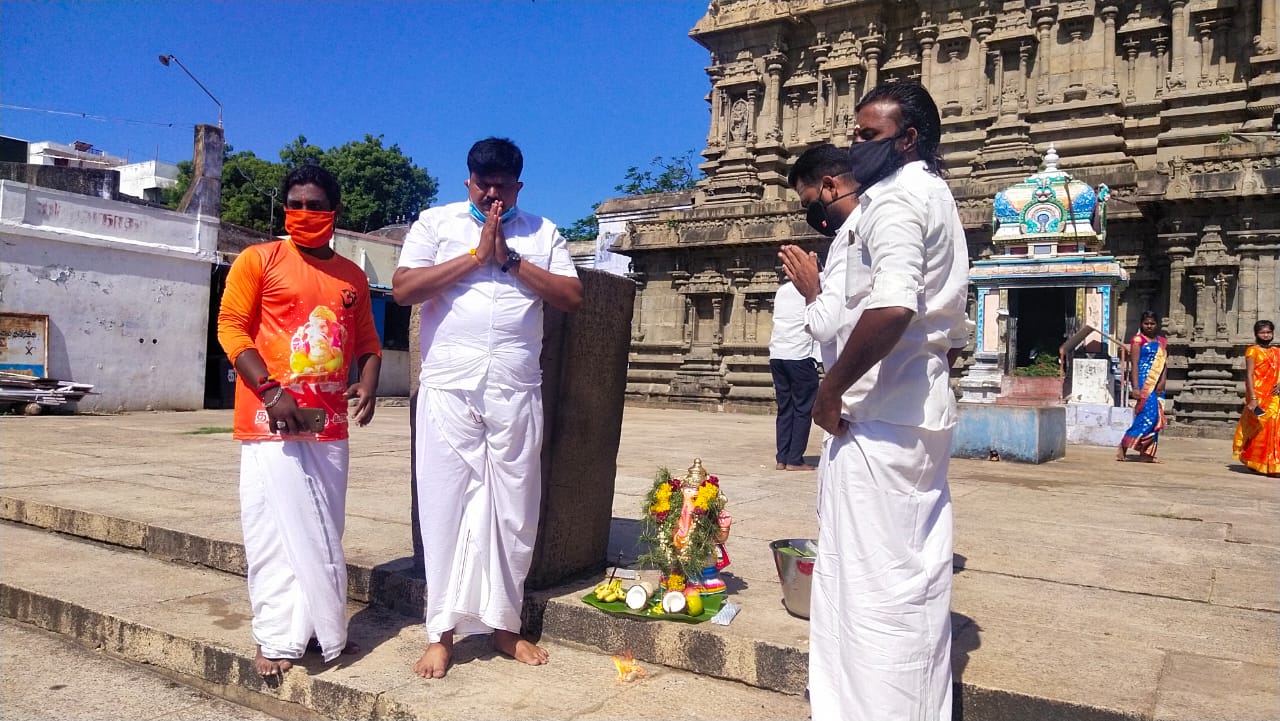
point(880, 627)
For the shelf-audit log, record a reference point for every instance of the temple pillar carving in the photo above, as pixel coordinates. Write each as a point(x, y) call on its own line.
point(1267, 41)
point(1161, 43)
point(772, 100)
point(1180, 33)
point(1131, 69)
point(1045, 16)
point(1109, 88)
point(982, 29)
point(716, 138)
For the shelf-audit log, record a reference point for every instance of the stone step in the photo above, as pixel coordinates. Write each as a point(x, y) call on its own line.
point(195, 622)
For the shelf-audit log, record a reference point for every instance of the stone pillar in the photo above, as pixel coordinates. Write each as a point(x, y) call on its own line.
point(1075, 88)
point(982, 32)
point(716, 137)
point(1178, 10)
point(1268, 38)
point(1109, 89)
point(1221, 27)
point(1163, 77)
point(1131, 69)
point(1044, 50)
point(754, 108)
point(1002, 105)
point(204, 195)
point(1202, 293)
point(855, 78)
point(1024, 71)
point(772, 96)
point(871, 47)
point(1205, 32)
point(584, 380)
point(926, 36)
point(819, 104)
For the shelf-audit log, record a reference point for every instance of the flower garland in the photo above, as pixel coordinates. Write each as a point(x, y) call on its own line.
point(680, 543)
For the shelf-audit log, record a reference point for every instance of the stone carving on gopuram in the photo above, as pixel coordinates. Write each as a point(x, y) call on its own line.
point(1172, 105)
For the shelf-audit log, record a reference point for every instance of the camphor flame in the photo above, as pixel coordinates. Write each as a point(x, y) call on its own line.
point(628, 669)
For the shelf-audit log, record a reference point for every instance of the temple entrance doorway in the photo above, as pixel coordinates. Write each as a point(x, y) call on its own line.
point(1043, 318)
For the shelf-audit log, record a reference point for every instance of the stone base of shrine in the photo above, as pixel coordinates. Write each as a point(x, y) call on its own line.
point(1027, 434)
point(1092, 424)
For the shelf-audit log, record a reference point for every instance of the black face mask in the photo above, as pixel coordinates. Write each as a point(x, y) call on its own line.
point(818, 219)
point(874, 160)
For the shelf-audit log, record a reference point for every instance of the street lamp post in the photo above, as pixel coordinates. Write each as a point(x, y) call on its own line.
point(165, 59)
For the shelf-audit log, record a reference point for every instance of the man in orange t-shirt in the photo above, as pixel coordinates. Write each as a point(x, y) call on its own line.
point(294, 317)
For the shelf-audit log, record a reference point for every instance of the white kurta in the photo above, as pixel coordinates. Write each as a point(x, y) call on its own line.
point(293, 497)
point(479, 412)
point(880, 625)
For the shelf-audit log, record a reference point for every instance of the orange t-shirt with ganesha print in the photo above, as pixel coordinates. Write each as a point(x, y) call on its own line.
point(309, 319)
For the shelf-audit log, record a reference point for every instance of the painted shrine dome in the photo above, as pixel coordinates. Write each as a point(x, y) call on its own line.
point(1050, 207)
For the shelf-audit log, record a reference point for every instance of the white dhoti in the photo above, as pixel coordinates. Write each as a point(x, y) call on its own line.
point(880, 616)
point(293, 497)
point(479, 476)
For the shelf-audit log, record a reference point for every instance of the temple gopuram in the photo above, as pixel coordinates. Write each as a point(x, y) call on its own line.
point(1173, 107)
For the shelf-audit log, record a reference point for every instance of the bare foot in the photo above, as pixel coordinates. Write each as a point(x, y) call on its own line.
point(270, 666)
point(1150, 459)
point(1120, 455)
point(515, 646)
point(801, 467)
point(434, 662)
point(780, 467)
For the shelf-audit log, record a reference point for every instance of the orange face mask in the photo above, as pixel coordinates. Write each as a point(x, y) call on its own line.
point(309, 228)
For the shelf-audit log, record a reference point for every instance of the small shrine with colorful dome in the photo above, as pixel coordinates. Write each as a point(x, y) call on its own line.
point(1044, 278)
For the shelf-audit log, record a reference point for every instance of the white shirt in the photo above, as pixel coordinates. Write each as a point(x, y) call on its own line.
point(488, 324)
point(826, 318)
point(789, 339)
point(908, 250)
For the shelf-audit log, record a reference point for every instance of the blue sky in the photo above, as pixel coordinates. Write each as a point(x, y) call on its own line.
point(587, 88)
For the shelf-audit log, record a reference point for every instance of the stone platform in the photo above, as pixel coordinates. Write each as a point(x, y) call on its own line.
point(1084, 589)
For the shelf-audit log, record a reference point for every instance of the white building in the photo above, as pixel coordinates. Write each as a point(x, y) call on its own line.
point(125, 288)
point(146, 180)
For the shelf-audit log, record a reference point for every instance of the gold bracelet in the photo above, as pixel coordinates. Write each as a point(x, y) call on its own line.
point(475, 257)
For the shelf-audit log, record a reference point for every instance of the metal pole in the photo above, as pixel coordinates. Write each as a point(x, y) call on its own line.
point(164, 60)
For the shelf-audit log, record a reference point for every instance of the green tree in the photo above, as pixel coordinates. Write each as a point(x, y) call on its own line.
point(250, 192)
point(300, 152)
point(663, 176)
point(380, 185)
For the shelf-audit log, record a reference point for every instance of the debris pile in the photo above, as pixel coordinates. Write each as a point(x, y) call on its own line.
point(33, 394)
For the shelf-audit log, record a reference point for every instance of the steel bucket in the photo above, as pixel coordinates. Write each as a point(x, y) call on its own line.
point(795, 572)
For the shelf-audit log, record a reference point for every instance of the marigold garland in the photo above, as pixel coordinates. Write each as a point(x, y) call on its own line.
point(662, 510)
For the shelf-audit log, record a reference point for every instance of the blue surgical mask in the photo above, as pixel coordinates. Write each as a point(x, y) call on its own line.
point(480, 217)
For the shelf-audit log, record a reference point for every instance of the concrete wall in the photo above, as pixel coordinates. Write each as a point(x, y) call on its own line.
point(126, 289)
point(376, 255)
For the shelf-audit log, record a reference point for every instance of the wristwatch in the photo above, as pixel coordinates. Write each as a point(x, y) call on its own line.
point(512, 258)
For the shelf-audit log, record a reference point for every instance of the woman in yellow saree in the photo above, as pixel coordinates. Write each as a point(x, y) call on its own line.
point(1150, 352)
point(1257, 440)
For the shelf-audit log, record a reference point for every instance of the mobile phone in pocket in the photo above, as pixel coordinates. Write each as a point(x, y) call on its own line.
point(315, 417)
point(1259, 411)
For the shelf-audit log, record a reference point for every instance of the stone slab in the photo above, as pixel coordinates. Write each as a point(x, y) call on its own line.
point(202, 632)
point(1079, 547)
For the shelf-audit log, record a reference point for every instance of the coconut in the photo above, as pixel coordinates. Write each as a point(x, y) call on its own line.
point(638, 596)
point(673, 602)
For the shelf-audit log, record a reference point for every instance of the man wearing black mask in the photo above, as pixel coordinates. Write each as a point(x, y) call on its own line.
point(823, 179)
point(879, 644)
